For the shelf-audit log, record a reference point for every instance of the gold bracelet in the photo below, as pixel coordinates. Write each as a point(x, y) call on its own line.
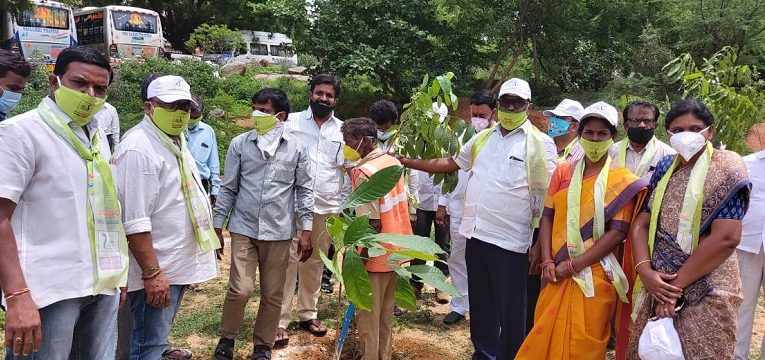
point(641, 263)
point(17, 293)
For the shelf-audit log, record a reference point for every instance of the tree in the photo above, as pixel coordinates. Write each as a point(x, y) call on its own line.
point(734, 92)
point(215, 39)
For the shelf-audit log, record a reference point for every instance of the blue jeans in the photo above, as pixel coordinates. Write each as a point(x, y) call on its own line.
point(84, 328)
point(151, 326)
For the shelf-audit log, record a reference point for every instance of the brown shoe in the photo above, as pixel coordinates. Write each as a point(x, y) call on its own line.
point(282, 338)
point(315, 327)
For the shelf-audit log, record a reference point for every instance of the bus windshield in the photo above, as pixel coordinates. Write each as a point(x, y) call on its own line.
point(45, 17)
point(134, 21)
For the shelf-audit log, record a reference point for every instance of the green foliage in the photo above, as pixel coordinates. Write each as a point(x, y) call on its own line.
point(215, 39)
point(352, 235)
point(423, 134)
point(405, 297)
point(734, 93)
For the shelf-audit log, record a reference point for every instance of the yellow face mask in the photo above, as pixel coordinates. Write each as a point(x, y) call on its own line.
point(595, 150)
point(171, 122)
point(511, 120)
point(350, 153)
point(79, 106)
point(263, 122)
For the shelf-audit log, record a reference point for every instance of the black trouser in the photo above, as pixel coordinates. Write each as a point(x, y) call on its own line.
point(497, 280)
point(425, 221)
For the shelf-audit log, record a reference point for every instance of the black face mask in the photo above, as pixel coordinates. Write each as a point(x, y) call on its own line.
point(640, 135)
point(321, 109)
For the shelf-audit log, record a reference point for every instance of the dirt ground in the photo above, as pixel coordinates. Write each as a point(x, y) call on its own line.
point(417, 335)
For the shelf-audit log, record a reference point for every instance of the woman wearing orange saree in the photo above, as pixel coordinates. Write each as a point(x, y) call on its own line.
point(588, 209)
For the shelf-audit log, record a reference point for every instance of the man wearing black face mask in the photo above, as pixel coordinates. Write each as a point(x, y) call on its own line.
point(640, 150)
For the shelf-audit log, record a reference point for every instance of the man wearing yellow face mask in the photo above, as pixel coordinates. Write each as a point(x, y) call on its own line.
point(167, 215)
point(267, 186)
point(510, 166)
point(60, 216)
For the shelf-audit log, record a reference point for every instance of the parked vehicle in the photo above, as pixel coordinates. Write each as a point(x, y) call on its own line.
point(273, 47)
point(46, 28)
point(120, 32)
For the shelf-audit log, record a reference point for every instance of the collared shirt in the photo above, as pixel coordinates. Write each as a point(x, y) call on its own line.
point(427, 192)
point(633, 157)
point(109, 121)
point(572, 152)
point(204, 148)
point(455, 200)
point(498, 190)
point(325, 150)
point(372, 208)
point(261, 195)
point(148, 180)
point(47, 180)
point(753, 224)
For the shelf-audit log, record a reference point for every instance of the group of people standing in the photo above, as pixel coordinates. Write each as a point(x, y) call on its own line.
point(560, 242)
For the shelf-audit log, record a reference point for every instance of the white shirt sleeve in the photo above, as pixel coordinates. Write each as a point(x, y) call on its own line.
point(137, 179)
point(465, 158)
point(16, 162)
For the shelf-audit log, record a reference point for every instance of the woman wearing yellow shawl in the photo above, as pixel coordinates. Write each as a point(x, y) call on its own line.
point(684, 239)
point(588, 210)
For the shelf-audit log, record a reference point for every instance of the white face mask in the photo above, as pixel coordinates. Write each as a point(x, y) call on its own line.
point(688, 143)
point(479, 123)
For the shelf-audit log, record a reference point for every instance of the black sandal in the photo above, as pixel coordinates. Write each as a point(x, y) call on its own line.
point(225, 349)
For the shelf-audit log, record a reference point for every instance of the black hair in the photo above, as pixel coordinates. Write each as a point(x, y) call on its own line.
point(278, 99)
point(483, 97)
point(81, 54)
point(584, 121)
point(383, 112)
point(197, 104)
point(15, 63)
point(360, 127)
point(145, 85)
point(689, 106)
point(641, 103)
point(325, 79)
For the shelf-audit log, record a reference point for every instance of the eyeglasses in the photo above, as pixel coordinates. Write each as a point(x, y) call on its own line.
point(512, 103)
point(637, 122)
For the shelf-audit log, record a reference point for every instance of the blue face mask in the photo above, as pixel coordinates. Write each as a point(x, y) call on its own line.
point(8, 102)
point(558, 126)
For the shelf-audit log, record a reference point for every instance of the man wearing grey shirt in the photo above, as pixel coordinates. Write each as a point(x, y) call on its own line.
point(267, 183)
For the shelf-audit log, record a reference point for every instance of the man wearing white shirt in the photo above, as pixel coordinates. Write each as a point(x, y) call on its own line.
point(482, 106)
point(563, 124)
point(640, 150)
point(167, 216)
point(318, 130)
point(751, 255)
point(109, 121)
point(63, 252)
point(511, 165)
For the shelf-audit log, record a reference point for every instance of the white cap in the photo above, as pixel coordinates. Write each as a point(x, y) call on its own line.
point(516, 87)
point(602, 110)
point(169, 88)
point(567, 107)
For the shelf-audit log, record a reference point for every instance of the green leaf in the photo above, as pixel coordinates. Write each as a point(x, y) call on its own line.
point(358, 228)
point(446, 86)
point(405, 298)
point(330, 266)
point(336, 228)
point(379, 184)
point(433, 277)
point(376, 251)
point(413, 254)
point(409, 242)
point(357, 286)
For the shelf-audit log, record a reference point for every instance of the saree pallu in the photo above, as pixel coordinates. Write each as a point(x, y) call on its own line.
point(707, 323)
point(568, 325)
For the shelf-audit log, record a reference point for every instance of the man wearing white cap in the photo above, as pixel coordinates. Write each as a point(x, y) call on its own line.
point(510, 167)
point(640, 151)
point(167, 216)
point(564, 121)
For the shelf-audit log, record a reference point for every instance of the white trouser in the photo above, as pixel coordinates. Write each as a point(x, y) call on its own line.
point(458, 269)
point(752, 269)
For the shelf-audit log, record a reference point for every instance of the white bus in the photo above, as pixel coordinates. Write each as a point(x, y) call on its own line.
point(47, 28)
point(273, 47)
point(120, 31)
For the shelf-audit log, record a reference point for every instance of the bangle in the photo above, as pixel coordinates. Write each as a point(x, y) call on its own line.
point(641, 263)
point(17, 293)
point(547, 262)
point(152, 275)
point(571, 266)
